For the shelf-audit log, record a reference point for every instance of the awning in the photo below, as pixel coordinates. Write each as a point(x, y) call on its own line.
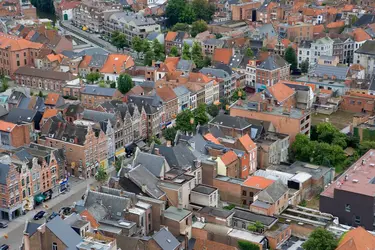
point(39, 198)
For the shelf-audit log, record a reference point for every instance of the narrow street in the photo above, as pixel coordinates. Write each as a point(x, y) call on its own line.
point(16, 227)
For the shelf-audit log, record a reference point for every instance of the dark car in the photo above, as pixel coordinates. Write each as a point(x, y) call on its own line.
point(40, 215)
point(53, 215)
point(4, 247)
point(65, 210)
point(3, 225)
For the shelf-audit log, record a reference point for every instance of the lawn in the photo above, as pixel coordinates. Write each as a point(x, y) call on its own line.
point(339, 119)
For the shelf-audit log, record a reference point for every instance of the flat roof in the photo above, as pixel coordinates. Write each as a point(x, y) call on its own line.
point(204, 189)
point(359, 178)
point(246, 235)
point(315, 171)
point(176, 214)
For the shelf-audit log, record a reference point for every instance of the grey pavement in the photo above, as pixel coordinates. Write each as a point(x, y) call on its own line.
point(15, 228)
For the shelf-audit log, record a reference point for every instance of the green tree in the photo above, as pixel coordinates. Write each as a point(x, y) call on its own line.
point(158, 48)
point(238, 94)
point(256, 227)
point(4, 83)
point(40, 94)
point(181, 27)
point(174, 51)
point(155, 140)
point(101, 175)
point(197, 55)
point(174, 10)
point(206, 61)
point(102, 84)
point(245, 245)
point(137, 44)
point(186, 54)
point(304, 66)
point(365, 146)
point(291, 58)
point(203, 9)
point(149, 56)
point(185, 121)
point(118, 40)
point(249, 53)
point(124, 83)
point(44, 6)
point(213, 110)
point(187, 15)
point(200, 114)
point(353, 19)
point(321, 239)
point(118, 163)
point(170, 134)
point(145, 46)
point(330, 134)
point(218, 36)
point(264, 49)
point(93, 77)
point(112, 85)
point(198, 27)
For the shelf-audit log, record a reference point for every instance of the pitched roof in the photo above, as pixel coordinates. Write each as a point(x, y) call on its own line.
point(85, 61)
point(211, 245)
point(222, 55)
point(7, 126)
point(367, 48)
point(273, 192)
point(170, 36)
point(95, 90)
point(166, 240)
point(361, 35)
point(15, 43)
point(280, 92)
point(357, 239)
point(211, 138)
point(52, 98)
point(338, 72)
point(49, 113)
point(117, 63)
point(48, 74)
point(335, 25)
point(228, 157)
point(64, 232)
point(318, 28)
point(257, 182)
point(16, 115)
point(246, 214)
point(247, 143)
point(154, 163)
point(31, 227)
point(90, 218)
point(166, 93)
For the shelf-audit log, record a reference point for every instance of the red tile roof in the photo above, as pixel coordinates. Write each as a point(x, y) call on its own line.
point(85, 62)
point(247, 143)
point(117, 63)
point(335, 25)
point(7, 126)
point(222, 55)
point(50, 113)
point(228, 157)
point(280, 92)
point(15, 43)
point(166, 93)
point(51, 98)
point(170, 36)
point(211, 138)
point(257, 182)
point(360, 35)
point(201, 244)
point(90, 218)
point(357, 239)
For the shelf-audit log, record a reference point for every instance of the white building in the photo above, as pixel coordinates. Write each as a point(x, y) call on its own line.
point(321, 47)
point(365, 56)
point(304, 51)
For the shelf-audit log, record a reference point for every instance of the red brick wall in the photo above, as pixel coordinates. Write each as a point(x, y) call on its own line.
point(229, 192)
point(357, 104)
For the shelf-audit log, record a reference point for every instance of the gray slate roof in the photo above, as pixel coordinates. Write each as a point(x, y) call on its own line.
point(273, 62)
point(368, 48)
point(219, 73)
point(339, 72)
point(16, 115)
point(126, 17)
point(144, 178)
point(95, 90)
point(204, 189)
point(247, 215)
point(185, 65)
point(178, 156)
point(230, 121)
point(165, 239)
point(273, 192)
point(31, 227)
point(213, 41)
point(98, 60)
point(153, 163)
point(64, 232)
point(97, 116)
point(181, 91)
point(217, 212)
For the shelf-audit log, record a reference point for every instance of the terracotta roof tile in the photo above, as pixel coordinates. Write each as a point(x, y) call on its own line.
point(201, 244)
point(51, 98)
point(67, 5)
point(166, 93)
point(117, 63)
point(258, 182)
point(348, 7)
point(53, 57)
point(50, 113)
point(211, 138)
point(222, 55)
point(357, 239)
point(280, 91)
point(247, 143)
point(335, 25)
point(357, 67)
point(16, 43)
point(198, 77)
point(90, 218)
point(85, 61)
point(7, 126)
point(318, 29)
point(228, 157)
point(170, 36)
point(360, 35)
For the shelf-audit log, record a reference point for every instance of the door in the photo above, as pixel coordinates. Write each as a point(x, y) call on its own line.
point(65, 17)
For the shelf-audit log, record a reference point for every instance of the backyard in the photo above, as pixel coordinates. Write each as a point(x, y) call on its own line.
point(339, 119)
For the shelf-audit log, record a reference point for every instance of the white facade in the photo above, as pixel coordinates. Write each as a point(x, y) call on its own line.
point(303, 55)
point(208, 200)
point(321, 47)
point(250, 75)
point(367, 61)
point(67, 14)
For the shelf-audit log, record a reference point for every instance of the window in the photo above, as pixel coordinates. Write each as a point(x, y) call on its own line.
point(244, 202)
point(18, 63)
point(347, 207)
point(358, 219)
point(251, 194)
point(244, 193)
point(54, 246)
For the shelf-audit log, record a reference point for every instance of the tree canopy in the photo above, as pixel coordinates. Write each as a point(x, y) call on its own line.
point(186, 53)
point(181, 27)
point(238, 94)
point(321, 239)
point(44, 5)
point(245, 245)
point(174, 51)
point(198, 27)
point(291, 57)
point(185, 121)
point(93, 77)
point(124, 83)
point(249, 52)
point(213, 110)
point(304, 66)
point(181, 11)
point(200, 115)
point(101, 175)
point(170, 133)
point(118, 40)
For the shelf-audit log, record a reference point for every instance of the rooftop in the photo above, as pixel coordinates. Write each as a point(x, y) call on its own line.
point(257, 182)
point(176, 214)
point(359, 178)
point(297, 167)
point(247, 215)
point(204, 189)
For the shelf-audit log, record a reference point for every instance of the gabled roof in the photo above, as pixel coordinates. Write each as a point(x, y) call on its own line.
point(257, 182)
point(49, 113)
point(117, 63)
point(280, 92)
point(166, 93)
point(337, 72)
point(146, 181)
point(52, 99)
point(247, 143)
point(357, 239)
point(368, 48)
point(360, 35)
point(228, 157)
point(7, 126)
point(4, 171)
point(31, 227)
point(14, 43)
point(154, 163)
point(16, 115)
point(171, 36)
point(64, 232)
point(273, 62)
point(95, 90)
point(230, 121)
point(211, 138)
point(273, 192)
point(222, 55)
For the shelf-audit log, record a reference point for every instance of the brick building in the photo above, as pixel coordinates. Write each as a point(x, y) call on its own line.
point(14, 135)
point(244, 11)
point(271, 70)
point(39, 79)
point(16, 52)
point(170, 102)
point(85, 147)
point(92, 96)
point(358, 103)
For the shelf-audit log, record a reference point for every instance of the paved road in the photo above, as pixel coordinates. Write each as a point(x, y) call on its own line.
point(16, 227)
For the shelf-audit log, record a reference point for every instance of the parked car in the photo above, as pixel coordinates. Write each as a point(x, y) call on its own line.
point(3, 225)
point(4, 247)
point(40, 215)
point(65, 210)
